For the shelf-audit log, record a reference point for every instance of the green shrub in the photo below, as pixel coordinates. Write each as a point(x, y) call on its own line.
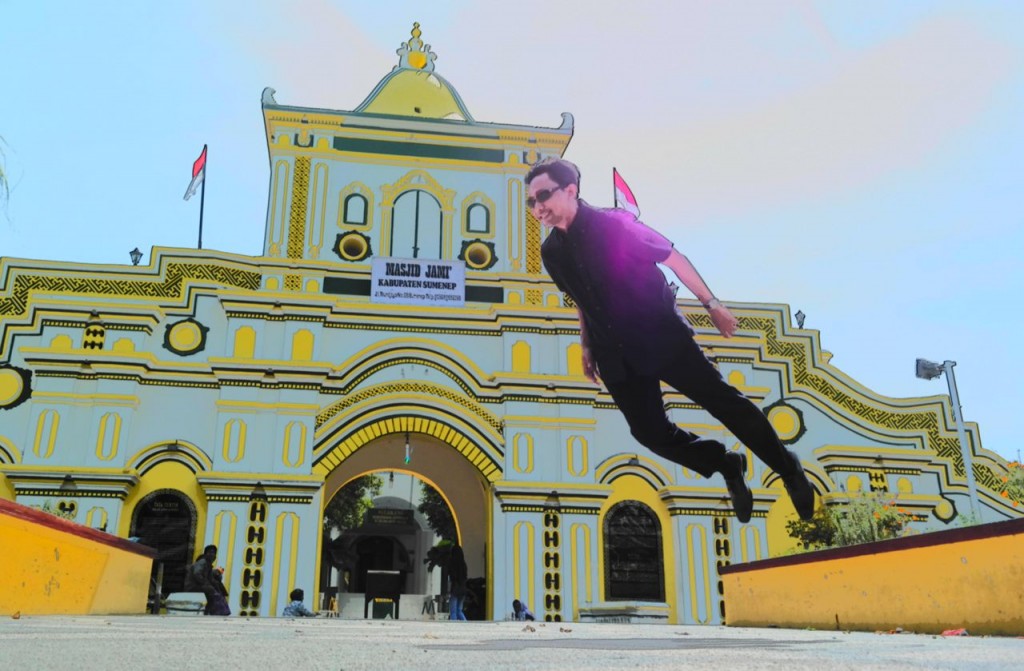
point(864, 518)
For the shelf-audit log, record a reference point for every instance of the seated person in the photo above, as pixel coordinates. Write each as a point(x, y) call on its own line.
point(200, 577)
point(520, 611)
point(296, 607)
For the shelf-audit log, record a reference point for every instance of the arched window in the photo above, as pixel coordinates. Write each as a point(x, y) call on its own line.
point(355, 210)
point(633, 561)
point(416, 226)
point(478, 219)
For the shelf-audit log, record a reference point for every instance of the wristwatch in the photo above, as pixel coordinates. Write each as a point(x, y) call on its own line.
point(712, 304)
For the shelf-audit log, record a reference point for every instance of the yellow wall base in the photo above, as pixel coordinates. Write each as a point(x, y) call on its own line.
point(967, 578)
point(50, 566)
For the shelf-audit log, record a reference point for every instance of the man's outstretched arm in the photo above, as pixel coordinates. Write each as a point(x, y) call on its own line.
point(723, 320)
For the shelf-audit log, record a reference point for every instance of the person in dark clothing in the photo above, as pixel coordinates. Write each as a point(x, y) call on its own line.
point(634, 337)
point(200, 577)
point(520, 611)
point(457, 575)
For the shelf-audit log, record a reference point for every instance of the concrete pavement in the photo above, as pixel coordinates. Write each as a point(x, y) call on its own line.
point(213, 644)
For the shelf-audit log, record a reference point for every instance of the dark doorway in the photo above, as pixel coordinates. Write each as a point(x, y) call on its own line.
point(378, 553)
point(634, 567)
point(166, 521)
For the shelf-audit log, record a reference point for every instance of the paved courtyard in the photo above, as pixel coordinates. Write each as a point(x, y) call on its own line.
point(212, 644)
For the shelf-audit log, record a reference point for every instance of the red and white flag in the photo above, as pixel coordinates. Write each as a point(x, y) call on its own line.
point(198, 174)
point(624, 198)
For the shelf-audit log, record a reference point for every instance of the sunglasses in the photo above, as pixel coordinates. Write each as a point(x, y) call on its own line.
point(542, 196)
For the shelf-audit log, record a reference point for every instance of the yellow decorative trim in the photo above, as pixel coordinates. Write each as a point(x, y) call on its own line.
point(486, 458)
point(293, 554)
point(579, 547)
point(318, 215)
point(298, 214)
point(785, 421)
point(102, 453)
point(302, 345)
point(478, 198)
point(225, 542)
point(534, 265)
point(91, 516)
point(9, 454)
point(522, 450)
point(176, 279)
point(750, 543)
point(697, 557)
point(300, 445)
point(514, 218)
point(233, 443)
point(519, 586)
point(424, 388)
point(245, 343)
point(278, 207)
point(50, 419)
point(521, 357)
point(182, 452)
point(584, 455)
point(359, 189)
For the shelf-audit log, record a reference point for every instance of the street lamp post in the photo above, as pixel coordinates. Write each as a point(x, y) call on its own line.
point(928, 370)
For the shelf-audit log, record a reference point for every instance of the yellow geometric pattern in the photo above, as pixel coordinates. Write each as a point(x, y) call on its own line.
point(487, 466)
point(803, 377)
point(176, 277)
point(424, 388)
point(297, 218)
point(533, 260)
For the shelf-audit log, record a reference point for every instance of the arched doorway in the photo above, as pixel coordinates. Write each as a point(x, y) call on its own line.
point(384, 521)
point(166, 521)
point(459, 485)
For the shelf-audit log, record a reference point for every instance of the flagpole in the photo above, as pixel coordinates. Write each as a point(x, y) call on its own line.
point(202, 201)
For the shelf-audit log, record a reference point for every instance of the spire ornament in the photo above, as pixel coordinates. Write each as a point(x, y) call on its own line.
point(414, 55)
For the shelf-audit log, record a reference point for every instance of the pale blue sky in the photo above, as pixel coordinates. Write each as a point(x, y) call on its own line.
point(860, 161)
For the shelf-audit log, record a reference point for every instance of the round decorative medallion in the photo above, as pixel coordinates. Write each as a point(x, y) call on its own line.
point(787, 421)
point(352, 246)
point(185, 337)
point(15, 386)
point(477, 254)
point(11, 386)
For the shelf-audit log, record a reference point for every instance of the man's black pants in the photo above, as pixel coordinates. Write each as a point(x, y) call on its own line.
point(689, 371)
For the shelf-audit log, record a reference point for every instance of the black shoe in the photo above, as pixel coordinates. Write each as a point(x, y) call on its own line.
point(800, 490)
point(735, 470)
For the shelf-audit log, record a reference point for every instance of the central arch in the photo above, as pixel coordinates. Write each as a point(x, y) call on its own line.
point(445, 458)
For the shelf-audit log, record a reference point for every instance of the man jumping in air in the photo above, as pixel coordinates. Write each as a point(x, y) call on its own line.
point(634, 338)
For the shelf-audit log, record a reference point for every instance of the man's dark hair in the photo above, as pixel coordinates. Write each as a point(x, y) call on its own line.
point(297, 595)
point(208, 548)
point(562, 172)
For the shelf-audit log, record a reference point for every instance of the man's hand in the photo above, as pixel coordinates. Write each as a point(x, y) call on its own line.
point(722, 319)
point(589, 367)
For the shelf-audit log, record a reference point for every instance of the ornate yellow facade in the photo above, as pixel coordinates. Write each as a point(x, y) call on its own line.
point(253, 388)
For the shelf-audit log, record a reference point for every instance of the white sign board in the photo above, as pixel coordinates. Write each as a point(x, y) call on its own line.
point(418, 281)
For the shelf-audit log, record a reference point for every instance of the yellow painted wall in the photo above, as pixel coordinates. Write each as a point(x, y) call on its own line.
point(972, 581)
point(6, 489)
point(50, 570)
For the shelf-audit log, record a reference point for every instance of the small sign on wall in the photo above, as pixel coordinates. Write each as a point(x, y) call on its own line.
point(418, 281)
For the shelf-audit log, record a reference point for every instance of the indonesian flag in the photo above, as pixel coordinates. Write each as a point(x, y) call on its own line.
point(623, 196)
point(198, 173)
